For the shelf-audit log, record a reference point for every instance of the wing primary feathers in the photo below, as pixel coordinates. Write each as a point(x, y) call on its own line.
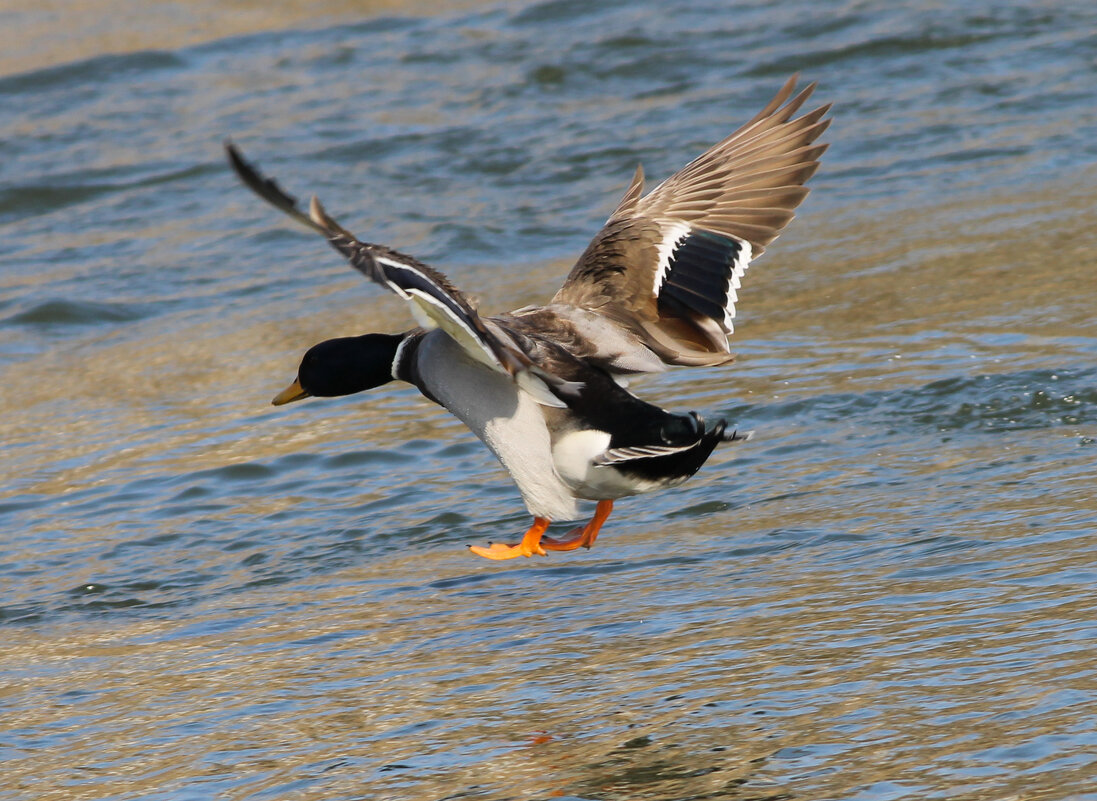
point(266, 188)
point(647, 269)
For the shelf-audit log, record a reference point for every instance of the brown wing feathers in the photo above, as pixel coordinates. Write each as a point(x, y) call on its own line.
point(666, 265)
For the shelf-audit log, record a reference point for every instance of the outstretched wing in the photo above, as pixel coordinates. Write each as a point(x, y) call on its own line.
point(667, 265)
point(434, 300)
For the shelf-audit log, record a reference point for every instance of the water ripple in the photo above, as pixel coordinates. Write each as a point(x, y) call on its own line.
point(884, 594)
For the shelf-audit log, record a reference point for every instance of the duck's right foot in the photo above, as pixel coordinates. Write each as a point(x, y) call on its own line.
point(582, 536)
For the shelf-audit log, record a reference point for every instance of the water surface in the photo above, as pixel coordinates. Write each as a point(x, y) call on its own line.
point(887, 593)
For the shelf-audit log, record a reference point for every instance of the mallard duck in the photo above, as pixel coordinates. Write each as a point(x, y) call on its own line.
point(544, 386)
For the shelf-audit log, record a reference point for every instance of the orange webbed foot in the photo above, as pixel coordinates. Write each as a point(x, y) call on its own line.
point(570, 544)
point(530, 544)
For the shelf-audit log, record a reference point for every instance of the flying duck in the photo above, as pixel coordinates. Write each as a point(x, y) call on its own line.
point(543, 387)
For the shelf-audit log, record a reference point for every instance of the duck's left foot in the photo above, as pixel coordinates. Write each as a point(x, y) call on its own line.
point(583, 536)
point(569, 544)
point(530, 544)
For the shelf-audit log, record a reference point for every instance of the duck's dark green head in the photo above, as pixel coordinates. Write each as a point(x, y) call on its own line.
point(343, 367)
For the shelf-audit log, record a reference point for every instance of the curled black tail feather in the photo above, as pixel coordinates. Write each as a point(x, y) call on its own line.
point(736, 436)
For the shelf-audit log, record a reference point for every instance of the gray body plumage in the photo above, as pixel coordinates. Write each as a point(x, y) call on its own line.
point(508, 420)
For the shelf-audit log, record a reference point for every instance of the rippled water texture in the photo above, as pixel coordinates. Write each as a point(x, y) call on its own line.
point(888, 593)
